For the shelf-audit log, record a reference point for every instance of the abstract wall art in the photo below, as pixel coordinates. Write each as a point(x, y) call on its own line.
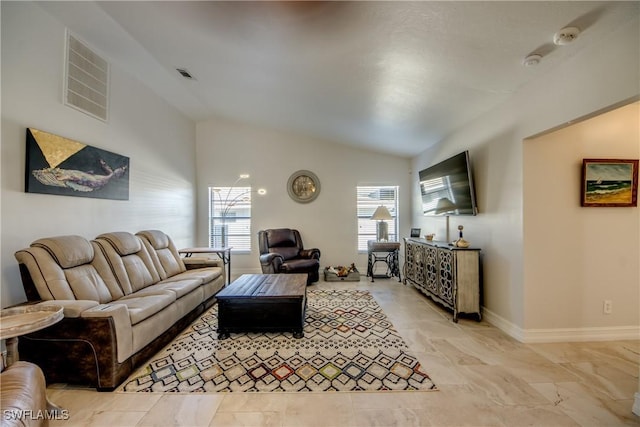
point(61, 166)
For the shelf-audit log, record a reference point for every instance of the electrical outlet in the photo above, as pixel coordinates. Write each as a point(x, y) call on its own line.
point(607, 306)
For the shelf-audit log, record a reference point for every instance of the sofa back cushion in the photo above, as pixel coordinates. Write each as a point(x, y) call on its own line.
point(129, 260)
point(67, 267)
point(163, 253)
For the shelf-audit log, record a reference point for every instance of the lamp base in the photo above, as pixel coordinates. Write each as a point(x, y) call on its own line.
point(382, 231)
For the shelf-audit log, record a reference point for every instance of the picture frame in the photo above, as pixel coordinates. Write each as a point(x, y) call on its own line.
point(609, 183)
point(303, 186)
point(415, 232)
point(60, 166)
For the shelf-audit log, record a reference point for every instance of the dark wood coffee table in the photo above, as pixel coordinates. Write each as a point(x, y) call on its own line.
point(263, 302)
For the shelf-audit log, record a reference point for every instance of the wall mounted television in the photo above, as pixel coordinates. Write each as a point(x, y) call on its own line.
point(450, 179)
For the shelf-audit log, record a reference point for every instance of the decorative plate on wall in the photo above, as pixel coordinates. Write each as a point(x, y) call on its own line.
point(303, 186)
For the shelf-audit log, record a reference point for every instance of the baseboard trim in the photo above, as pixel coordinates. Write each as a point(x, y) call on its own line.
point(613, 333)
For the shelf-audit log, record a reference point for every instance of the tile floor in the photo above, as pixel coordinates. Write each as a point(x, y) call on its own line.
point(485, 378)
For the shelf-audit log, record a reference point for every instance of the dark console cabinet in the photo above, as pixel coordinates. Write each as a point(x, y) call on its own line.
point(448, 275)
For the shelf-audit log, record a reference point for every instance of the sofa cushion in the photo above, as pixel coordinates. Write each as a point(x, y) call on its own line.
point(163, 252)
point(144, 306)
point(179, 287)
point(123, 242)
point(156, 238)
point(60, 270)
point(129, 261)
point(67, 251)
point(204, 275)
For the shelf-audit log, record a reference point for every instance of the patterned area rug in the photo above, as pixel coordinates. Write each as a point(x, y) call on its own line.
point(348, 345)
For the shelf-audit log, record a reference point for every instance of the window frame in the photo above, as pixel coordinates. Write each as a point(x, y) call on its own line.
point(229, 205)
point(364, 211)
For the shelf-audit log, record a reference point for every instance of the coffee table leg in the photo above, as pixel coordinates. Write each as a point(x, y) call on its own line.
point(298, 334)
point(223, 335)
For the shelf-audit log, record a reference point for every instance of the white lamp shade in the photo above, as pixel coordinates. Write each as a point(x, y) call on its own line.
point(381, 214)
point(445, 205)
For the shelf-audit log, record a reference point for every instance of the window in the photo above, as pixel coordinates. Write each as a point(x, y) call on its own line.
point(433, 190)
point(230, 218)
point(368, 199)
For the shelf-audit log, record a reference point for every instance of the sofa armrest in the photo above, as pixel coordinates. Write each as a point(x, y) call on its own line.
point(313, 253)
point(121, 325)
point(72, 308)
point(271, 263)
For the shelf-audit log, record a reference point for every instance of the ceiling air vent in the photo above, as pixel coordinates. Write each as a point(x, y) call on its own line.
point(86, 82)
point(184, 73)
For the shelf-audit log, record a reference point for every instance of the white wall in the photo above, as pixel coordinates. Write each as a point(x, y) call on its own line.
point(159, 141)
point(599, 76)
point(226, 149)
point(577, 257)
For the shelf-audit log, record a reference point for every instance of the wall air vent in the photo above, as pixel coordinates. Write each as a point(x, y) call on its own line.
point(86, 80)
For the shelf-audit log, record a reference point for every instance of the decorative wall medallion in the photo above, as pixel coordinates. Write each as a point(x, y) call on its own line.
point(303, 186)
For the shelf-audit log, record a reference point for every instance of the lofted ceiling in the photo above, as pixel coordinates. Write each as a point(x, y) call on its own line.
point(394, 77)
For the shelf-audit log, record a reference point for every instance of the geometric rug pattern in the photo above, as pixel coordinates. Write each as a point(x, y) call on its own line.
point(348, 345)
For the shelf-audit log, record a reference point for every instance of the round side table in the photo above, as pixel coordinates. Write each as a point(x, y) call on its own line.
point(22, 320)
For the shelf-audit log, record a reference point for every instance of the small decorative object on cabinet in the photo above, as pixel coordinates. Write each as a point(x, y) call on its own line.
point(461, 243)
point(448, 275)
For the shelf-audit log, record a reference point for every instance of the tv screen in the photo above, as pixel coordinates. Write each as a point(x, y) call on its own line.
point(447, 187)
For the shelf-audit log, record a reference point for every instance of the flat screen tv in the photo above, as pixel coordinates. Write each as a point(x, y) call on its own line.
point(452, 180)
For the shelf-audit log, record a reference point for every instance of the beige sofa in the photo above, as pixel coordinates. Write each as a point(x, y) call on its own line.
point(125, 296)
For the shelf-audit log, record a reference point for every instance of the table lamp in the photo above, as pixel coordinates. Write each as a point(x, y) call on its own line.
point(382, 230)
point(445, 206)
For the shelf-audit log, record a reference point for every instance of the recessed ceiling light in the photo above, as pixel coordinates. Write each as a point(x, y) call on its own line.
point(532, 60)
point(566, 35)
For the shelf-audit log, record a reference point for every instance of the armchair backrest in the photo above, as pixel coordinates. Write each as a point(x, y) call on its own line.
point(284, 241)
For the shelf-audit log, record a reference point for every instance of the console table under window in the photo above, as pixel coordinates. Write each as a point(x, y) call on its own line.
point(386, 252)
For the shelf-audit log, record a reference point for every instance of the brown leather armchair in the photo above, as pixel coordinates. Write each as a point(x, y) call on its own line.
point(281, 251)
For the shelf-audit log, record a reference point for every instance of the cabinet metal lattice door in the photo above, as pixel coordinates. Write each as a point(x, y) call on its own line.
point(447, 268)
point(431, 269)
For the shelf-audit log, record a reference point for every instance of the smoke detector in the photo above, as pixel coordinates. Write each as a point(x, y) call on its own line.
point(566, 35)
point(532, 60)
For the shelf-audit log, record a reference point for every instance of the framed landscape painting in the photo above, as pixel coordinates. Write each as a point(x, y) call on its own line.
point(609, 182)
